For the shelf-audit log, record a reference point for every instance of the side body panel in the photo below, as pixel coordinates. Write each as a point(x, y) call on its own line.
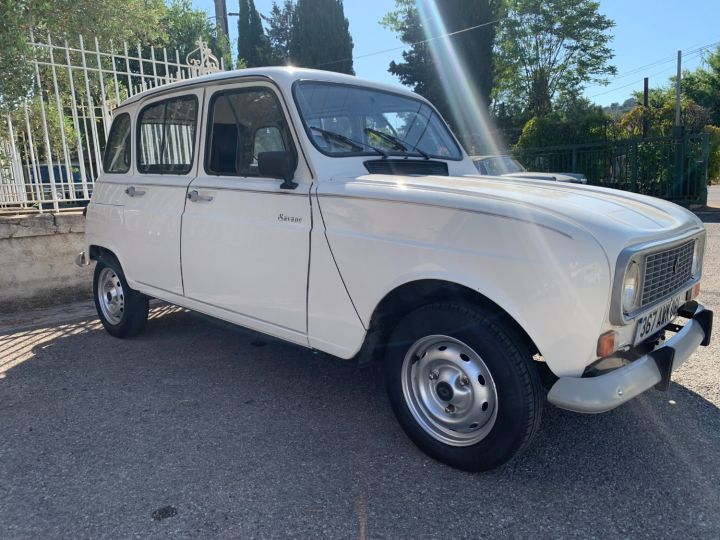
point(150, 237)
point(334, 325)
point(238, 255)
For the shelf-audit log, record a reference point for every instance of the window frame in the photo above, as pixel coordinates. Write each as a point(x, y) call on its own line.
point(138, 132)
point(309, 135)
point(246, 86)
point(107, 144)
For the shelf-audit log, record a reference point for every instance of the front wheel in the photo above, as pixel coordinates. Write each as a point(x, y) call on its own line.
point(122, 310)
point(462, 385)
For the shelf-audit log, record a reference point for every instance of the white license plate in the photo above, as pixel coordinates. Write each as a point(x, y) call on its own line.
point(656, 320)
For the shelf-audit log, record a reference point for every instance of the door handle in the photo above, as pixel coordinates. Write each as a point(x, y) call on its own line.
point(194, 196)
point(132, 192)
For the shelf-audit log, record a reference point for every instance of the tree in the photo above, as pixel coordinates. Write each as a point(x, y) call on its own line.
point(474, 48)
point(703, 85)
point(320, 36)
point(280, 31)
point(182, 26)
point(253, 44)
point(548, 48)
point(149, 22)
point(129, 20)
point(575, 121)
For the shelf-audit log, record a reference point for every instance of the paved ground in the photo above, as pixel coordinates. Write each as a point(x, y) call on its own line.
point(200, 430)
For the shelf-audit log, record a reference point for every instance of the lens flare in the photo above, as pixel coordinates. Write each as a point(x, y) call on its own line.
point(469, 110)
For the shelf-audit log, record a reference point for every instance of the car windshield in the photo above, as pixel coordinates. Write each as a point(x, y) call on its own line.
point(496, 166)
point(344, 120)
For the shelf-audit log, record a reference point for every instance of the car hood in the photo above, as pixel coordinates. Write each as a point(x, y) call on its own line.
point(615, 218)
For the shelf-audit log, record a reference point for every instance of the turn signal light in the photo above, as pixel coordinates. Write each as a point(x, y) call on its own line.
point(696, 290)
point(606, 344)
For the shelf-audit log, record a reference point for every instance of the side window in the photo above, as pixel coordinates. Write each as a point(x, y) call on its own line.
point(117, 152)
point(166, 136)
point(242, 124)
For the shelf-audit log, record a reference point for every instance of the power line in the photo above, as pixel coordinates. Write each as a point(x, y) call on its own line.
point(406, 45)
point(688, 55)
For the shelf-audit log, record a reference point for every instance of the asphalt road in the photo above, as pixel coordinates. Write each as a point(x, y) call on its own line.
point(197, 429)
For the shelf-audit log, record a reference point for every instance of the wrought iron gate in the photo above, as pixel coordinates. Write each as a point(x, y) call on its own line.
point(51, 145)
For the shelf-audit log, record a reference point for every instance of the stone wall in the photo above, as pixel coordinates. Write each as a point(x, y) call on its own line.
point(37, 260)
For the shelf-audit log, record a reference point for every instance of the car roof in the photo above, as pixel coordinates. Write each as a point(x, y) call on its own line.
point(283, 75)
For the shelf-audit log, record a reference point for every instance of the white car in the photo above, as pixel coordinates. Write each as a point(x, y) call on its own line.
point(509, 166)
point(343, 216)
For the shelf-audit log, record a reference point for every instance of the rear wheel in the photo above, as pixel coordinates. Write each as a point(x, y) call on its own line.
point(122, 310)
point(462, 385)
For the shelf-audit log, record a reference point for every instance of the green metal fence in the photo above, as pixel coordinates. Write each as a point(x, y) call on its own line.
point(672, 168)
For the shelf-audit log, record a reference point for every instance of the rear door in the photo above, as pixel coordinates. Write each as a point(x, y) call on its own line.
point(166, 142)
point(245, 241)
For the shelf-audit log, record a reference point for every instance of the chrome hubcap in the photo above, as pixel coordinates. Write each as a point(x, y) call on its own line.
point(111, 296)
point(449, 390)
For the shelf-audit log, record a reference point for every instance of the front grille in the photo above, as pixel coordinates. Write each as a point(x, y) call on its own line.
point(666, 271)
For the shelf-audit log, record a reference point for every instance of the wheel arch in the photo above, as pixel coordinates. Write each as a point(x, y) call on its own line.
point(97, 253)
point(413, 294)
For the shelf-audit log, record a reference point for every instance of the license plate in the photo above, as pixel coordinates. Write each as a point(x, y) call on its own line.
point(657, 319)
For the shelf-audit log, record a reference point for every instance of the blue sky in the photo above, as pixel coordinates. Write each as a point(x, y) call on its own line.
point(646, 32)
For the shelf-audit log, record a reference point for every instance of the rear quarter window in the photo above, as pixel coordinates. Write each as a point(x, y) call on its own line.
point(117, 151)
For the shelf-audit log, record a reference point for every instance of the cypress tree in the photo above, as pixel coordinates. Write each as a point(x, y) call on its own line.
point(320, 36)
point(253, 44)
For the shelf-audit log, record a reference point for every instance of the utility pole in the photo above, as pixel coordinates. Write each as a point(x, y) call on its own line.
point(646, 92)
point(221, 16)
point(680, 179)
point(678, 89)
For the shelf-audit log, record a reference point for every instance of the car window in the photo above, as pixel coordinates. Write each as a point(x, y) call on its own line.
point(167, 136)
point(117, 150)
point(243, 123)
point(371, 118)
point(498, 166)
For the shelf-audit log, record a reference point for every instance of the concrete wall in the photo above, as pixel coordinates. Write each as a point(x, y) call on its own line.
point(37, 260)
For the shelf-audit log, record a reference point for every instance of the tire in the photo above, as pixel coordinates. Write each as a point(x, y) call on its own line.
point(122, 310)
point(462, 385)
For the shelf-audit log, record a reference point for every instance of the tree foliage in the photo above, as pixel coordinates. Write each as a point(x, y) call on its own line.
point(575, 121)
point(703, 85)
point(548, 48)
point(320, 36)
point(182, 26)
point(473, 48)
point(280, 30)
point(253, 44)
point(149, 22)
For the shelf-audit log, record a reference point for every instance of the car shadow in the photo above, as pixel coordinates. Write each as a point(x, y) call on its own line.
point(245, 435)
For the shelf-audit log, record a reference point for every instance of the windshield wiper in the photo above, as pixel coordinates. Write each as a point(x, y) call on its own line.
point(398, 144)
point(339, 137)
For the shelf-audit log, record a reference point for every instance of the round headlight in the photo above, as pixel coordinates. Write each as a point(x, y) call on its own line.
point(696, 258)
point(631, 287)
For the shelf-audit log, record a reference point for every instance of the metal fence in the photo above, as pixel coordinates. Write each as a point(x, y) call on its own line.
point(672, 168)
point(51, 145)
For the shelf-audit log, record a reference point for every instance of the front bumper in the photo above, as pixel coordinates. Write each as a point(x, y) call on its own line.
point(604, 392)
point(82, 259)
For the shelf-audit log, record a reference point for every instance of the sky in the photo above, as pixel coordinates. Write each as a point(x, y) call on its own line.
point(646, 32)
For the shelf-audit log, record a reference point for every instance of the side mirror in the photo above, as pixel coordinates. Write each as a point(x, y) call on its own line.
point(279, 164)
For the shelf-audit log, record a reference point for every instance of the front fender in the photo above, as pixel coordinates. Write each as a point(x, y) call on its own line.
point(553, 280)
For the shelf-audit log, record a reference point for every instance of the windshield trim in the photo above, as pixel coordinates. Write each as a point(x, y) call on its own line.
point(454, 140)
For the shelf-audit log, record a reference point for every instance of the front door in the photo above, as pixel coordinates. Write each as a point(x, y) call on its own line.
point(155, 198)
point(245, 241)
